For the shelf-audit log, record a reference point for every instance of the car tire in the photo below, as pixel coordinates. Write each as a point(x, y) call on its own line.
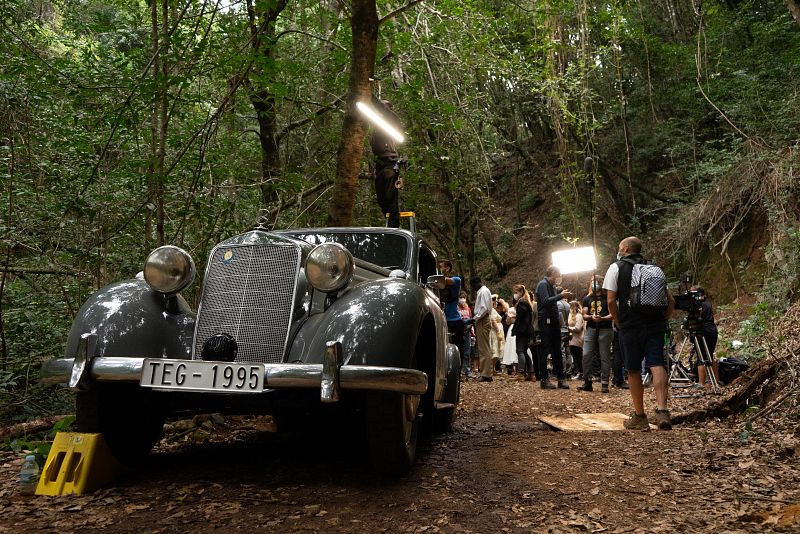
point(128, 417)
point(392, 431)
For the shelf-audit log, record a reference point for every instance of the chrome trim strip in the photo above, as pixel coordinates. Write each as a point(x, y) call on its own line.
point(278, 375)
point(87, 348)
point(329, 388)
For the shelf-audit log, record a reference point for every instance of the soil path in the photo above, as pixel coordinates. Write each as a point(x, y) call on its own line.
point(500, 470)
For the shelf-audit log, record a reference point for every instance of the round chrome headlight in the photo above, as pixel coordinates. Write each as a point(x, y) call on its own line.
point(169, 269)
point(329, 267)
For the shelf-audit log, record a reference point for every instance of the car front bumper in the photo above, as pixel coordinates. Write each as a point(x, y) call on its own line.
point(329, 377)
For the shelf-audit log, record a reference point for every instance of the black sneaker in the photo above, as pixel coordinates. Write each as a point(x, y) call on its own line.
point(623, 385)
point(547, 385)
point(586, 386)
point(604, 388)
point(562, 384)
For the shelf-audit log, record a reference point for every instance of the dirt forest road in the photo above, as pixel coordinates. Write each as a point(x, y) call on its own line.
point(500, 470)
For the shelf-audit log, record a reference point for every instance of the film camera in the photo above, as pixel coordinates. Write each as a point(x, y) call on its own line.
point(690, 301)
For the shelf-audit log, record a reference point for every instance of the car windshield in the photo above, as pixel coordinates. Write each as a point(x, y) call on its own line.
point(385, 250)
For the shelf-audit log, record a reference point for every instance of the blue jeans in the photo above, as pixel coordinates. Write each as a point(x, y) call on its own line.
point(524, 361)
point(598, 340)
point(466, 355)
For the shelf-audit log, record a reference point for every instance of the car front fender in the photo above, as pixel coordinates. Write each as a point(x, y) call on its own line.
point(377, 322)
point(131, 320)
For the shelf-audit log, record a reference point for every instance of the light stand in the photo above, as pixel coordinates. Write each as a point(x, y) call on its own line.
point(700, 348)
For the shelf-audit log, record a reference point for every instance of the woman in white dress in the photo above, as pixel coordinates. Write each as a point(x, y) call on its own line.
point(510, 350)
point(497, 339)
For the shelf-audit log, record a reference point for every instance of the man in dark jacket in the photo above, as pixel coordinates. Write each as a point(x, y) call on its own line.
point(387, 165)
point(546, 298)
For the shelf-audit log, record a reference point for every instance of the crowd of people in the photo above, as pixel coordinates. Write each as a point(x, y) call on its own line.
point(520, 336)
point(533, 335)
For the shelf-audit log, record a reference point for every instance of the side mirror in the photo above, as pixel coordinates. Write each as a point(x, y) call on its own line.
point(437, 281)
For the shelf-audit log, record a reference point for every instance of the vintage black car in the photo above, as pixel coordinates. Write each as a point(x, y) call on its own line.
point(288, 321)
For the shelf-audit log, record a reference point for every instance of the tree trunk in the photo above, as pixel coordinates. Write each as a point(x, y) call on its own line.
point(154, 129)
point(163, 98)
point(262, 29)
point(264, 104)
point(501, 267)
point(9, 217)
point(364, 23)
point(794, 9)
point(736, 397)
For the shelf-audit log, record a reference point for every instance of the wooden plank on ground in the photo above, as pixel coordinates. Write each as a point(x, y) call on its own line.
point(587, 422)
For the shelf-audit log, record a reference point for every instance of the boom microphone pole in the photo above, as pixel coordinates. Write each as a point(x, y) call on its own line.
point(588, 168)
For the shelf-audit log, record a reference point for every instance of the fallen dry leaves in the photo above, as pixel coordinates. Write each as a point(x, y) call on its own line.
point(499, 471)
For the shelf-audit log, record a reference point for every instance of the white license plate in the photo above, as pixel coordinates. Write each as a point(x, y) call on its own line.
point(195, 375)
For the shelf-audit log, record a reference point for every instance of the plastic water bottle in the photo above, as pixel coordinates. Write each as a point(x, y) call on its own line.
point(29, 475)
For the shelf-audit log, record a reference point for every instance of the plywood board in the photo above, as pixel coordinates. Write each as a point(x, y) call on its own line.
point(587, 422)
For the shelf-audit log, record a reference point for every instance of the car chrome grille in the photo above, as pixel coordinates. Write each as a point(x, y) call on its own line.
point(248, 293)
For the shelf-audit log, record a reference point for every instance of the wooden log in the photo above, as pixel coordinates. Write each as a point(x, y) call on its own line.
point(736, 401)
point(29, 427)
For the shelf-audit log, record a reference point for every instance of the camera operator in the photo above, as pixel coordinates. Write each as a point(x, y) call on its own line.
point(450, 296)
point(708, 328)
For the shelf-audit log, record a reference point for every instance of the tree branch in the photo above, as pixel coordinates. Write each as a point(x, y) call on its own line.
point(296, 124)
point(611, 170)
point(309, 34)
point(399, 11)
point(34, 270)
point(265, 219)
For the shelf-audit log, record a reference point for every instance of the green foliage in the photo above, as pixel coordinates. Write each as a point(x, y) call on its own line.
point(40, 449)
point(62, 425)
point(752, 331)
point(478, 84)
point(784, 254)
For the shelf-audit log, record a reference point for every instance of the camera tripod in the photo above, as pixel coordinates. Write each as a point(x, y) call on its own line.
point(680, 374)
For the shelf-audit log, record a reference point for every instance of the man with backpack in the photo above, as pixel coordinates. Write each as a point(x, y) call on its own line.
point(640, 306)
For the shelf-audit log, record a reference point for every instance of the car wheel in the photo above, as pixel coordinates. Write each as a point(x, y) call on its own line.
point(128, 417)
point(392, 431)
